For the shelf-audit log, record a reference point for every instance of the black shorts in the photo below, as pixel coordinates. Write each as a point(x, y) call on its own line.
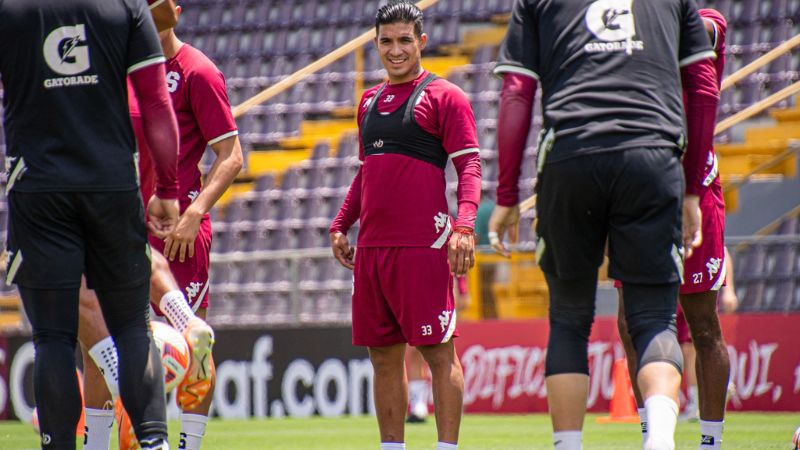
point(634, 198)
point(55, 237)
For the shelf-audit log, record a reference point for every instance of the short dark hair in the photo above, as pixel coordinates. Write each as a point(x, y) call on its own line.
point(399, 11)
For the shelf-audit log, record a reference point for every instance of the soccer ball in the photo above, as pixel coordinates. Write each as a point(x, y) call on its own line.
point(174, 353)
point(796, 439)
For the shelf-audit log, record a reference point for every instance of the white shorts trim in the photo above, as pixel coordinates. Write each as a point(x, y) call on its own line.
point(720, 276)
point(451, 328)
point(199, 298)
point(443, 237)
point(13, 267)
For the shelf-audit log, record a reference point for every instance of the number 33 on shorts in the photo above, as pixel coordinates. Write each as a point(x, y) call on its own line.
point(426, 330)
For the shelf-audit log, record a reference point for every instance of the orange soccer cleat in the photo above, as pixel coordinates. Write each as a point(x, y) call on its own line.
point(127, 437)
point(197, 382)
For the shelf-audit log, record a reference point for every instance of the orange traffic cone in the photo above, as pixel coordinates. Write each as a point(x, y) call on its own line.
point(623, 404)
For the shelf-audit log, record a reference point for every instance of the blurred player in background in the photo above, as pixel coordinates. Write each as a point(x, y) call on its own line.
point(609, 169)
point(410, 127)
point(74, 203)
point(705, 270)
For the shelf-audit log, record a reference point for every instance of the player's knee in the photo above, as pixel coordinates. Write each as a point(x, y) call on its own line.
point(650, 314)
point(707, 335)
point(571, 316)
point(440, 356)
point(51, 336)
point(389, 359)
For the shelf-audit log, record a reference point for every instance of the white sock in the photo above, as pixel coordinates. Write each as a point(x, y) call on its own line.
point(446, 446)
point(417, 391)
point(643, 422)
point(98, 428)
point(710, 434)
point(693, 395)
point(662, 416)
point(174, 305)
point(393, 446)
point(193, 428)
point(104, 354)
point(567, 440)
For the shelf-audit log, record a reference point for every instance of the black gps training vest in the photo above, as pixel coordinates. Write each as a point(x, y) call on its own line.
point(398, 132)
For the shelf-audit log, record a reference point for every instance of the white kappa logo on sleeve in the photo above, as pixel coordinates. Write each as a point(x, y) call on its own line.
point(66, 50)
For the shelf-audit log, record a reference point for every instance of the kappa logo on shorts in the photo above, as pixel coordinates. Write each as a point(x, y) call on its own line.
point(193, 289)
point(444, 319)
point(713, 266)
point(193, 195)
point(612, 22)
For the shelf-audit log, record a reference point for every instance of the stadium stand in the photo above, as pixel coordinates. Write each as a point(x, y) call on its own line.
point(270, 257)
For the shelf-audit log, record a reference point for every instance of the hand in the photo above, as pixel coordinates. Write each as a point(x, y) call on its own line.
point(181, 241)
point(728, 300)
point(162, 216)
point(504, 218)
point(342, 250)
point(461, 251)
point(692, 220)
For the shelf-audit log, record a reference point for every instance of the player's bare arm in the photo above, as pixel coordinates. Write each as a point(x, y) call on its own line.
point(164, 13)
point(224, 170)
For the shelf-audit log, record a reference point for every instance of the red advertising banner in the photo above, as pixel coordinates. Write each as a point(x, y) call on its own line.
point(298, 372)
point(504, 363)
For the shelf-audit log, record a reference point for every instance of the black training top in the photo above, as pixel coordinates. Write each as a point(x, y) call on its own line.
point(609, 69)
point(63, 66)
point(398, 131)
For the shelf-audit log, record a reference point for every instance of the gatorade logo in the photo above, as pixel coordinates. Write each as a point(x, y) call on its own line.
point(612, 22)
point(66, 51)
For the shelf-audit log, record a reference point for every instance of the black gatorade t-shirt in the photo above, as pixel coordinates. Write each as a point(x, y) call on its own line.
point(63, 65)
point(609, 69)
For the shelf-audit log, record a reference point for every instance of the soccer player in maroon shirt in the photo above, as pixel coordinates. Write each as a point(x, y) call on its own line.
point(704, 272)
point(204, 117)
point(408, 249)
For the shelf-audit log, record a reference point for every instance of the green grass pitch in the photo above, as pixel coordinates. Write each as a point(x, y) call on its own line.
point(478, 432)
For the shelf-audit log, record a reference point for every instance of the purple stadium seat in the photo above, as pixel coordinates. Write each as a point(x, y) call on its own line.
point(744, 12)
